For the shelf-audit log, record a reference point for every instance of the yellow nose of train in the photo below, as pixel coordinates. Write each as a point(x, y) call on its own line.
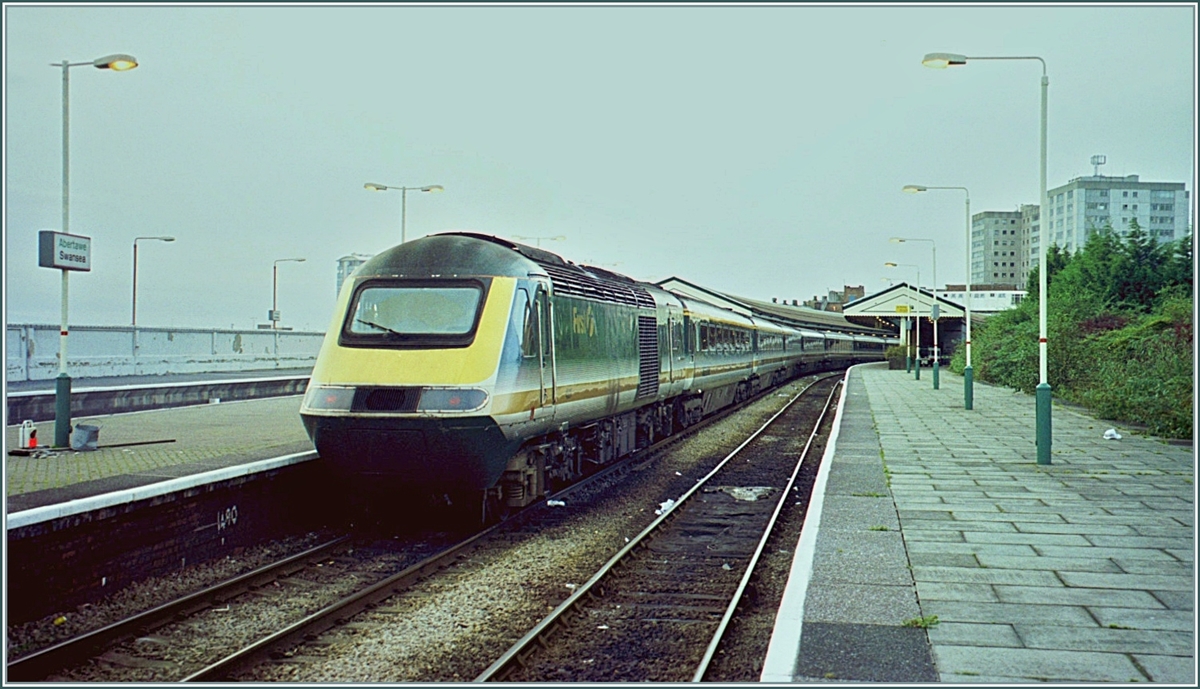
point(403, 385)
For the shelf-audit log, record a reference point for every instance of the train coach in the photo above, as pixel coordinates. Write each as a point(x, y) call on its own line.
point(489, 372)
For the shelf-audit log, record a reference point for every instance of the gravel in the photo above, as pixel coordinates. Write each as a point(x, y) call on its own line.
point(448, 628)
point(454, 626)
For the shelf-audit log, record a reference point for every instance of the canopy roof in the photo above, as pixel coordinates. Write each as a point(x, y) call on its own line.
point(902, 300)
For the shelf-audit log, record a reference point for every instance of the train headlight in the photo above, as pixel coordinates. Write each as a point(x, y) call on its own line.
point(320, 397)
point(451, 399)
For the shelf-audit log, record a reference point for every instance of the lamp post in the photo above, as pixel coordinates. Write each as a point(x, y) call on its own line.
point(933, 312)
point(889, 264)
point(1043, 396)
point(538, 240)
point(275, 289)
point(62, 388)
point(428, 188)
point(135, 271)
point(968, 372)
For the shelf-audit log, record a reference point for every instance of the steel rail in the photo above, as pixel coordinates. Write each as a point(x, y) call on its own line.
point(516, 654)
point(351, 605)
point(337, 612)
point(762, 544)
point(37, 665)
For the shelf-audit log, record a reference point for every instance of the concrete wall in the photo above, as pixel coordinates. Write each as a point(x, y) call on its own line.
point(31, 351)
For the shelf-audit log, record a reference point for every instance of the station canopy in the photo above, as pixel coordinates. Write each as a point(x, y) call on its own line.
point(899, 301)
point(797, 316)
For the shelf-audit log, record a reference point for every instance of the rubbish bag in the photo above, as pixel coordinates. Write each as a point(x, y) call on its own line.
point(1111, 434)
point(85, 437)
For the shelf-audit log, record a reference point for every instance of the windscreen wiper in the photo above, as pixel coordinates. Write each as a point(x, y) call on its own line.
point(380, 327)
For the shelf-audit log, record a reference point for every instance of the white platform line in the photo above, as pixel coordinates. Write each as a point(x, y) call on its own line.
point(158, 386)
point(38, 515)
point(784, 647)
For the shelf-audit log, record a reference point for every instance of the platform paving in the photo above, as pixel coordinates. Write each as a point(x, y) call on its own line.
point(1077, 571)
point(206, 437)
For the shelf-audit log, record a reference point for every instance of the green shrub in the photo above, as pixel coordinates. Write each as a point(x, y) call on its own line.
point(1119, 331)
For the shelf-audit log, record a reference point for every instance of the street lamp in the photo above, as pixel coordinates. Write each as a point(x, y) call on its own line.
point(135, 252)
point(556, 238)
point(968, 372)
point(62, 389)
point(1043, 396)
point(907, 362)
point(933, 311)
point(428, 188)
point(275, 289)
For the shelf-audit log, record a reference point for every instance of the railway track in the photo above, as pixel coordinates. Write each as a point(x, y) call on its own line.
point(285, 644)
point(663, 603)
point(40, 664)
point(161, 643)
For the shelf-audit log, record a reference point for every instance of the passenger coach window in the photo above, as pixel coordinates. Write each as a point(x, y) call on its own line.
point(415, 311)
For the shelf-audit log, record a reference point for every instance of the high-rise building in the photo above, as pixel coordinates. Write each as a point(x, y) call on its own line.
point(1086, 205)
point(346, 265)
point(1077, 210)
point(996, 245)
point(1030, 236)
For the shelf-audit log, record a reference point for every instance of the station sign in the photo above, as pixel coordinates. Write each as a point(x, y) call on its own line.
point(901, 308)
point(64, 251)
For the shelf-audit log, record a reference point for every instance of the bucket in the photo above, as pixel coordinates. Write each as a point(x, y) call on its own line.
point(28, 435)
point(85, 437)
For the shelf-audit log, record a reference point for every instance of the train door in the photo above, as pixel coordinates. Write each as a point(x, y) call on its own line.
point(675, 339)
point(546, 364)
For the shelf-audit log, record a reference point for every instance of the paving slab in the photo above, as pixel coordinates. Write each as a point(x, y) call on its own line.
point(1077, 571)
point(176, 442)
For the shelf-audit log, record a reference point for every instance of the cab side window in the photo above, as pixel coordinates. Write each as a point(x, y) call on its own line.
point(529, 333)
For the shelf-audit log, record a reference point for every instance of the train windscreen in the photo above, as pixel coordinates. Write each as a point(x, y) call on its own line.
point(415, 310)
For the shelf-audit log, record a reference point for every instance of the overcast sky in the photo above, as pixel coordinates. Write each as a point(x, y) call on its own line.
point(754, 150)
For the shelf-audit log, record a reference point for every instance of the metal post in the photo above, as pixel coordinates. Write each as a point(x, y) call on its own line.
point(968, 372)
point(403, 213)
point(917, 327)
point(907, 346)
point(62, 387)
point(937, 355)
point(917, 359)
point(1043, 396)
point(134, 320)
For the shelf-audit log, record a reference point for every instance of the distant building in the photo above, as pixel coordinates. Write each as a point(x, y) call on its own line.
point(835, 301)
point(1030, 236)
point(346, 265)
point(1085, 205)
point(996, 247)
point(1005, 244)
point(985, 298)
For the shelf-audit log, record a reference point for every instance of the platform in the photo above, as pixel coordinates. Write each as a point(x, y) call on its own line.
point(1077, 571)
point(185, 441)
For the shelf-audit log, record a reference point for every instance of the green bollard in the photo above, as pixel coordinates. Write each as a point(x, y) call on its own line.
point(1043, 423)
point(935, 375)
point(62, 410)
point(969, 388)
point(907, 362)
point(917, 368)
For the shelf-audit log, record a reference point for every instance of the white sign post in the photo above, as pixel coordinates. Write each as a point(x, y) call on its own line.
point(66, 252)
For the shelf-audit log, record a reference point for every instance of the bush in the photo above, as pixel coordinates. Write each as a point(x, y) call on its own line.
point(1119, 331)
